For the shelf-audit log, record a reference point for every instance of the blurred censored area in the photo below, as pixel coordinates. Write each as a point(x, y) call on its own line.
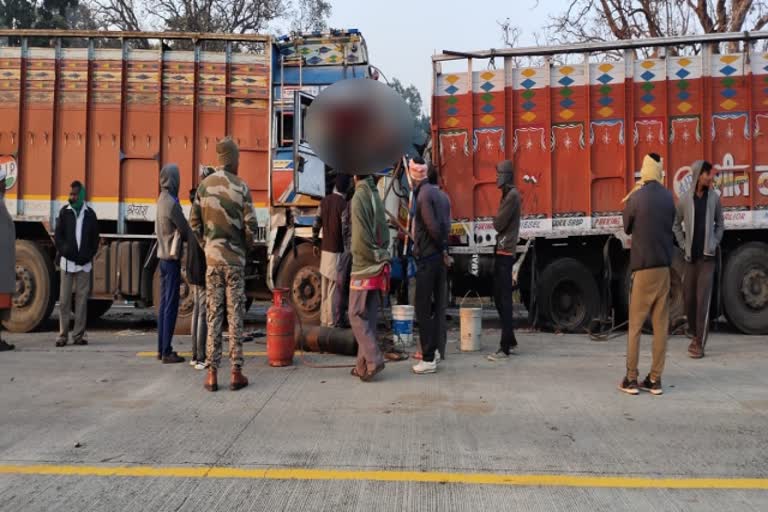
point(359, 126)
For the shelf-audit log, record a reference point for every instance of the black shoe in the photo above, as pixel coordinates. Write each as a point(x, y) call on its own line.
point(80, 342)
point(629, 386)
point(653, 388)
point(6, 346)
point(172, 358)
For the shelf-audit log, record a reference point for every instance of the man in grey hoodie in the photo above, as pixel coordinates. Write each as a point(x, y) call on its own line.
point(170, 221)
point(507, 226)
point(699, 229)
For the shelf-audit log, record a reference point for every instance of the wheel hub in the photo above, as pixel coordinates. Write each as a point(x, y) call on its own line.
point(25, 287)
point(568, 305)
point(306, 289)
point(754, 288)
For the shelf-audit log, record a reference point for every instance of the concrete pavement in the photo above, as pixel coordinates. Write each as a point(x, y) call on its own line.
point(99, 428)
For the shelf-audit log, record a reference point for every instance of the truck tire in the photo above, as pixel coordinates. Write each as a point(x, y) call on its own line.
point(745, 288)
point(568, 296)
point(184, 319)
point(35, 288)
point(300, 273)
point(98, 308)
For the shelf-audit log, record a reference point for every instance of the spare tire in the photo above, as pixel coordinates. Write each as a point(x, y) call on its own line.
point(568, 297)
point(745, 288)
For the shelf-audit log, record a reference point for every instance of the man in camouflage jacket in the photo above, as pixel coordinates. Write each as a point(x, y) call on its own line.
point(224, 224)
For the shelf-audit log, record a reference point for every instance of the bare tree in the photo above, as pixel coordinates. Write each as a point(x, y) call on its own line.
point(604, 20)
point(311, 15)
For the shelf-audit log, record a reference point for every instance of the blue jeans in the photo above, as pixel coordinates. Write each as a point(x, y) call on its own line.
point(170, 277)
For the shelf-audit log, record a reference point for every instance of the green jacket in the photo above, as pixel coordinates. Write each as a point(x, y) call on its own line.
point(370, 233)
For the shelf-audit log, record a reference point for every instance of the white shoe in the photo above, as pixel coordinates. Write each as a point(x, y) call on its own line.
point(498, 357)
point(438, 358)
point(193, 363)
point(201, 366)
point(425, 367)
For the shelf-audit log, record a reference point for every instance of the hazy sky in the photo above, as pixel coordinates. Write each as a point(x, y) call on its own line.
point(403, 35)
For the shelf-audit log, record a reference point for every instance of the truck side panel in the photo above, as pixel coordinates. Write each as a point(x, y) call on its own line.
point(117, 120)
point(578, 133)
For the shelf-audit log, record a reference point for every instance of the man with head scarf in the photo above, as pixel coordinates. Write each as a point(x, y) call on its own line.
point(429, 230)
point(330, 249)
point(224, 223)
point(370, 274)
point(76, 237)
point(699, 229)
point(507, 226)
point(649, 214)
point(7, 261)
point(172, 229)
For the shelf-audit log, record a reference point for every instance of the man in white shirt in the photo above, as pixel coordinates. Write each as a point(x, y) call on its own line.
point(77, 241)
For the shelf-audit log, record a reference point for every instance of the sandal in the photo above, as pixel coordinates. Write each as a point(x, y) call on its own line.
point(370, 375)
point(354, 373)
point(395, 356)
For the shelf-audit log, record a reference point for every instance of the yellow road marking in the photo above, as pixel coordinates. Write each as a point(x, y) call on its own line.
point(189, 354)
point(524, 480)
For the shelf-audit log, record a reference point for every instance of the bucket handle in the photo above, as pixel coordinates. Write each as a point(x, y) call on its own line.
point(461, 304)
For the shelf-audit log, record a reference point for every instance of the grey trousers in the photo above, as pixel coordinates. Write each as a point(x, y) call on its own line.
point(363, 315)
point(199, 323)
point(79, 284)
point(698, 280)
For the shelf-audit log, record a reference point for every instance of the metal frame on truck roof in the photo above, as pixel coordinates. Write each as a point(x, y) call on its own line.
point(113, 34)
point(628, 44)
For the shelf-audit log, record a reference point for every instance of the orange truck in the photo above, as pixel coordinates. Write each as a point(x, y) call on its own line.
point(90, 106)
point(577, 121)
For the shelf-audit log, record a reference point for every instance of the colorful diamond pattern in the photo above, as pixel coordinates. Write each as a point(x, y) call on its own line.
point(528, 94)
point(684, 107)
point(604, 78)
point(566, 81)
point(528, 117)
point(728, 104)
point(647, 109)
point(728, 82)
point(566, 92)
point(527, 83)
point(452, 100)
point(487, 97)
point(567, 103)
point(647, 76)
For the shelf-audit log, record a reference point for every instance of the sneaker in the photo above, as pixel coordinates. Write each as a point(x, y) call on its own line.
point(629, 386)
point(425, 367)
point(438, 357)
point(172, 358)
point(500, 356)
point(652, 387)
point(6, 346)
point(193, 362)
point(201, 365)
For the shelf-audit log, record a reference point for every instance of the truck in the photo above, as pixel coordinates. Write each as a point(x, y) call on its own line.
point(97, 107)
point(577, 120)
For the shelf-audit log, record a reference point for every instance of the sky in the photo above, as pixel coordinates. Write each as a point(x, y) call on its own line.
point(403, 35)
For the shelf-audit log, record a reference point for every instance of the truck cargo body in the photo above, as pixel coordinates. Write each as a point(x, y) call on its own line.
point(577, 126)
point(112, 117)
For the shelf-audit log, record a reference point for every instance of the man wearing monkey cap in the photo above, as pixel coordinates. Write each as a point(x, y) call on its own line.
point(507, 226)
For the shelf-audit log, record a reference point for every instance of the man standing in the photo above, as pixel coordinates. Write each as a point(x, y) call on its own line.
point(225, 225)
point(329, 220)
point(171, 228)
point(699, 229)
point(370, 274)
point(649, 215)
point(196, 277)
point(430, 244)
point(7, 261)
point(507, 226)
point(77, 240)
point(444, 207)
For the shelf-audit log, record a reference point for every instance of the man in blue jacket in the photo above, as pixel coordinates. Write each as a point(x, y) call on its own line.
point(699, 229)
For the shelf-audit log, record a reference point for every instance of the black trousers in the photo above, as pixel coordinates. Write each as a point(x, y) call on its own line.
point(431, 294)
point(502, 280)
point(697, 292)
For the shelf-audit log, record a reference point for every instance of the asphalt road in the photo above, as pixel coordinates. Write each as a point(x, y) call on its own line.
point(102, 428)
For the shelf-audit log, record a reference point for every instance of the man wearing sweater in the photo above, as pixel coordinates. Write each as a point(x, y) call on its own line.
point(77, 241)
point(699, 229)
point(370, 274)
point(649, 214)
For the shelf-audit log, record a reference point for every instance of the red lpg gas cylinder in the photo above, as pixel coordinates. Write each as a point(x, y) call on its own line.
point(280, 329)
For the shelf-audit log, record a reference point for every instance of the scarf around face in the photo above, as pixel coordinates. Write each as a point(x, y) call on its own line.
point(77, 204)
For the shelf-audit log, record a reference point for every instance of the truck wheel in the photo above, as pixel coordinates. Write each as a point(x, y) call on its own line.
point(300, 273)
point(98, 308)
point(35, 288)
point(568, 295)
point(745, 288)
point(184, 319)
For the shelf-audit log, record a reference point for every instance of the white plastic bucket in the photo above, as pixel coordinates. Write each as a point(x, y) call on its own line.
point(402, 324)
point(471, 328)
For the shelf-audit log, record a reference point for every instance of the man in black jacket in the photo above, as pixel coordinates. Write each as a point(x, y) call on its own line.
point(77, 241)
point(649, 215)
point(196, 268)
point(507, 226)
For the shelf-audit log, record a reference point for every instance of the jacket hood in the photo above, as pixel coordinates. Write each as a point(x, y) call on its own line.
point(169, 179)
point(505, 174)
point(695, 173)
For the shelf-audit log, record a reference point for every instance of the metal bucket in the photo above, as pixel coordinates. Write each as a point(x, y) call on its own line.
point(471, 322)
